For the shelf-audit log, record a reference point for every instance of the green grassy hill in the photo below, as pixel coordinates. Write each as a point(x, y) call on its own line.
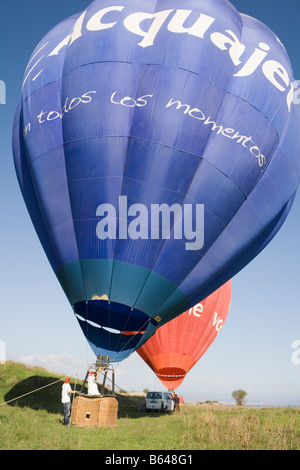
point(34, 422)
point(19, 380)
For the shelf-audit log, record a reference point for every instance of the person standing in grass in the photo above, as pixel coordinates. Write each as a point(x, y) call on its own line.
point(176, 402)
point(66, 400)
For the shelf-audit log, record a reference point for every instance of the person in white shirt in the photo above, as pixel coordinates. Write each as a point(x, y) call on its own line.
point(66, 400)
point(92, 383)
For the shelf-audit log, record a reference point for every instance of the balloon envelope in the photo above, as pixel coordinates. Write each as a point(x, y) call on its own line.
point(178, 345)
point(150, 109)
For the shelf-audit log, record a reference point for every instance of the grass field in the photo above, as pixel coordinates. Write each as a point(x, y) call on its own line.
point(34, 422)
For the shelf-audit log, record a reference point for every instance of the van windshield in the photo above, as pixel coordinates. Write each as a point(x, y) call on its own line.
point(154, 395)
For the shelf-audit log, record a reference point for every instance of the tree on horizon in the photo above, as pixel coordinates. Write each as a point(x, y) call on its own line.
point(239, 396)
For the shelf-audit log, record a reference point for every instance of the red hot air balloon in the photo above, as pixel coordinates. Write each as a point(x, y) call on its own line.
point(178, 345)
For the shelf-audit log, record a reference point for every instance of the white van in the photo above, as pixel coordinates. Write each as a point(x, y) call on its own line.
point(159, 401)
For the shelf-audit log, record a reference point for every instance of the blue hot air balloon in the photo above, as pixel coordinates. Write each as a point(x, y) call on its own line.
point(156, 145)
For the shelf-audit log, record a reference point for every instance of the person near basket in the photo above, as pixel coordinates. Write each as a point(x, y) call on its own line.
point(66, 401)
point(92, 383)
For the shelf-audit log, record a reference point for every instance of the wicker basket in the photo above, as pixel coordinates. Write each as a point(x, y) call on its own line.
point(91, 412)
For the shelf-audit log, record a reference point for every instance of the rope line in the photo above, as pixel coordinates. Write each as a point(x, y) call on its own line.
point(61, 380)
point(121, 389)
point(29, 393)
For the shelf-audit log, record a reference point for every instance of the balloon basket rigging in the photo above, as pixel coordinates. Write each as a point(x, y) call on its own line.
point(96, 410)
point(102, 364)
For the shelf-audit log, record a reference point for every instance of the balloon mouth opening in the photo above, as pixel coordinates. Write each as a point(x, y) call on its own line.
point(111, 328)
point(170, 374)
point(114, 317)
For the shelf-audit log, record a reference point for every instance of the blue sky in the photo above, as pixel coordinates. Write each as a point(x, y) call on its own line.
point(254, 350)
